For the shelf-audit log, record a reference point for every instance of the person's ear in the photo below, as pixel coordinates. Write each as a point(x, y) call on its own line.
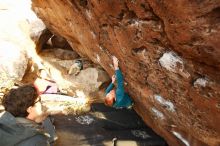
point(29, 109)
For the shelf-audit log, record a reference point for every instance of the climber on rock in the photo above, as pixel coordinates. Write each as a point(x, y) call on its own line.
point(117, 98)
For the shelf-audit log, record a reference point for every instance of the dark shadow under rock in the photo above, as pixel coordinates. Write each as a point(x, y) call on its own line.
point(103, 125)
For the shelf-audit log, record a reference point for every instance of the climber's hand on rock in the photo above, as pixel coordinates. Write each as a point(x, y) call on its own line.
point(115, 62)
point(113, 78)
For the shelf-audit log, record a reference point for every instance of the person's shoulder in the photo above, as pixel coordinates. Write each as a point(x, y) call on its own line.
point(7, 118)
point(33, 133)
point(37, 140)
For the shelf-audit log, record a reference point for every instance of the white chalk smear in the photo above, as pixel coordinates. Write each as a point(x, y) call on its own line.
point(140, 133)
point(157, 113)
point(169, 105)
point(88, 14)
point(84, 120)
point(169, 60)
point(181, 138)
point(200, 82)
point(97, 58)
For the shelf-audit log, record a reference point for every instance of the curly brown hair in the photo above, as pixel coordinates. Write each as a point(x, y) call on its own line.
point(17, 101)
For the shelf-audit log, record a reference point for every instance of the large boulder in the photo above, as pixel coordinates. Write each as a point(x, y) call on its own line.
point(59, 53)
point(14, 62)
point(15, 41)
point(168, 52)
point(86, 80)
point(22, 35)
point(60, 42)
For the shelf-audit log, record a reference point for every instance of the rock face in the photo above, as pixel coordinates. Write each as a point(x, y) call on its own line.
point(169, 55)
point(88, 78)
point(23, 36)
point(13, 65)
point(15, 41)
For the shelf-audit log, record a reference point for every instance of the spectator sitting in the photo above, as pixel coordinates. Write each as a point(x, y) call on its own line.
point(24, 120)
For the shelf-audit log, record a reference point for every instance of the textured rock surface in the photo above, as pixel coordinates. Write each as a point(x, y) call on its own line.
point(168, 51)
point(13, 65)
point(15, 41)
point(88, 79)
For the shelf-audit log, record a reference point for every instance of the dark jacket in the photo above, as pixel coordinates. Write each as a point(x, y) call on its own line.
point(122, 98)
point(21, 132)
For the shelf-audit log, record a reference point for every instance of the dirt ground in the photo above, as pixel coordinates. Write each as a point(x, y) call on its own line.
point(105, 126)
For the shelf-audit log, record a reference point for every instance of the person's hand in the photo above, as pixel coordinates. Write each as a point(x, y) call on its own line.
point(115, 62)
point(113, 78)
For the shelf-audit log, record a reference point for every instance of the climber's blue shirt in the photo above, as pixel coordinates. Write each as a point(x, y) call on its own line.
point(122, 98)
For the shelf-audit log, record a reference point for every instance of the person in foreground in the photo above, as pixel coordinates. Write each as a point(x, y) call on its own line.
point(117, 98)
point(24, 121)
